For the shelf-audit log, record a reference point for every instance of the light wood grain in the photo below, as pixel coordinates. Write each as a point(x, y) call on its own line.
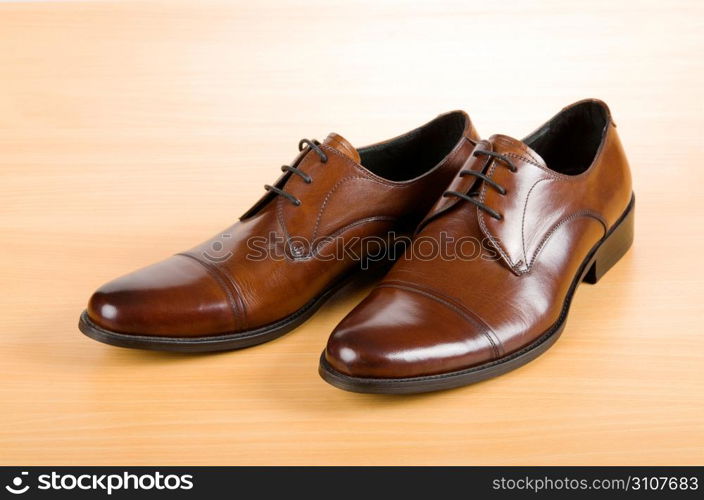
point(132, 130)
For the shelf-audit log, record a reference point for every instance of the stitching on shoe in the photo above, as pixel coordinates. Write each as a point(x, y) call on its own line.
point(359, 222)
point(546, 170)
point(482, 223)
point(316, 251)
point(466, 314)
point(359, 168)
point(523, 218)
point(233, 294)
point(280, 218)
point(558, 224)
point(327, 198)
point(523, 158)
point(530, 158)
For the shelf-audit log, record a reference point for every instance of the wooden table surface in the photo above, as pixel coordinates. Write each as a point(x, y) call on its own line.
point(132, 130)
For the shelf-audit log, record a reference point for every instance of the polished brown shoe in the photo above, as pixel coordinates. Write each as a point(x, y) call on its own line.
point(526, 222)
point(304, 239)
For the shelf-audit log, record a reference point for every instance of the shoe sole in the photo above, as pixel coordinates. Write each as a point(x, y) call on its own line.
point(220, 342)
point(600, 259)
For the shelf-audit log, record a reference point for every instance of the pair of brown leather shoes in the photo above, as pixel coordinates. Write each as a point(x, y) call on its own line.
point(495, 234)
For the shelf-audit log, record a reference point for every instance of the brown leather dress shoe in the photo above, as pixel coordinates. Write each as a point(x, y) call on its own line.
point(269, 272)
point(524, 223)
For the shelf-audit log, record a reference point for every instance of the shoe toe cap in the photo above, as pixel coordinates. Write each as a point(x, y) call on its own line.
point(397, 333)
point(176, 297)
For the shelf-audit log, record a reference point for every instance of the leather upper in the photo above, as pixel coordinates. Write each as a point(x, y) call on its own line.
point(442, 314)
point(228, 284)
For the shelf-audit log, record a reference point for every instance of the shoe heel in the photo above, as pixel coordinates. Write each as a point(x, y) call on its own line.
point(613, 247)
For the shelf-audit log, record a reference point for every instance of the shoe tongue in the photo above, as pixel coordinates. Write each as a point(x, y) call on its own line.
point(341, 144)
point(508, 145)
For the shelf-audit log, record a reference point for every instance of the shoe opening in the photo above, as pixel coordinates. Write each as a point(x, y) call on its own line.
point(417, 152)
point(570, 140)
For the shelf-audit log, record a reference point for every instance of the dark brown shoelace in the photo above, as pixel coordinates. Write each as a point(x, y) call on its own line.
point(472, 197)
point(312, 145)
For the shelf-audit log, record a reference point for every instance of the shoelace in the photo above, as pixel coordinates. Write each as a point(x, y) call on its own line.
point(485, 178)
point(314, 146)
